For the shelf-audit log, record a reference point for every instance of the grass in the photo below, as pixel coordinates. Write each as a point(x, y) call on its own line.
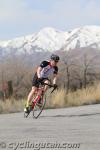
point(91, 95)
point(58, 99)
point(11, 106)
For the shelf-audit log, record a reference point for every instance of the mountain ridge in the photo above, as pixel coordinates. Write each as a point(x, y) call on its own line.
point(50, 40)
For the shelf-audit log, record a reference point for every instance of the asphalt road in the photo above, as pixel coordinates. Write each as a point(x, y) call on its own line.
point(68, 128)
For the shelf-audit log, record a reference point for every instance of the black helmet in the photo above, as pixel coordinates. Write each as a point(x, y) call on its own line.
point(55, 57)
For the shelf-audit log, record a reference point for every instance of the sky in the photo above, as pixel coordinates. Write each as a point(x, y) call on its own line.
point(24, 17)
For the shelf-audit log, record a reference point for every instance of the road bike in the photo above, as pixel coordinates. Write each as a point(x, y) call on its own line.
point(38, 102)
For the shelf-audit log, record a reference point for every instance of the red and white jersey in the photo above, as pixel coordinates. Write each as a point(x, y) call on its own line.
point(47, 69)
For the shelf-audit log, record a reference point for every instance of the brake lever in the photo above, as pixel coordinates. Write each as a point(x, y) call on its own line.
point(54, 89)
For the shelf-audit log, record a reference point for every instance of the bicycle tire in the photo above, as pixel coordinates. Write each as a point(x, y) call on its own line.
point(37, 114)
point(27, 114)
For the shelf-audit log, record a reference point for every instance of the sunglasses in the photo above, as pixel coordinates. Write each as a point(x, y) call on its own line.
point(56, 61)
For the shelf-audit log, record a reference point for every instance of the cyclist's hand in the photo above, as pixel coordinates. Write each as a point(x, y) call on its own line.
point(55, 86)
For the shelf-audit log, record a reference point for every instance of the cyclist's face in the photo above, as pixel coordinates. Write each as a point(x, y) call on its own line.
point(53, 63)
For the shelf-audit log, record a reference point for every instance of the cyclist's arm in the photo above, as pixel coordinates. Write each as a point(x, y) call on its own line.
point(55, 75)
point(55, 79)
point(38, 72)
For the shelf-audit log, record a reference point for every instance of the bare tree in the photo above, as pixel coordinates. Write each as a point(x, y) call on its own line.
point(68, 66)
point(88, 67)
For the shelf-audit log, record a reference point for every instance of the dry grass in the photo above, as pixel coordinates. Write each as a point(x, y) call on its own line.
point(91, 95)
point(11, 105)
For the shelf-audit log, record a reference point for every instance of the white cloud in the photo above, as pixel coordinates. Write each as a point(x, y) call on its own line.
point(9, 9)
point(76, 13)
point(63, 14)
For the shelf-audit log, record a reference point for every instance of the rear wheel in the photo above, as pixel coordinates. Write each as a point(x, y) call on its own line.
point(39, 108)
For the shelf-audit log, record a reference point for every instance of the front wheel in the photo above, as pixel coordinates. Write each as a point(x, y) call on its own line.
point(39, 108)
point(27, 114)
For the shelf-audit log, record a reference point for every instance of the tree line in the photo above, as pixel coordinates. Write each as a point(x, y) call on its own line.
point(74, 73)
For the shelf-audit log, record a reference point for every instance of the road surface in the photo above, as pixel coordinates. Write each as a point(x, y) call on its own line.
point(63, 129)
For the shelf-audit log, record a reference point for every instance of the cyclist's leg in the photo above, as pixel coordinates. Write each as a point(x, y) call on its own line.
point(42, 91)
point(31, 94)
point(46, 86)
point(35, 85)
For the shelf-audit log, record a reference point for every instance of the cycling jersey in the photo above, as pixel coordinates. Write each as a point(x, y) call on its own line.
point(47, 69)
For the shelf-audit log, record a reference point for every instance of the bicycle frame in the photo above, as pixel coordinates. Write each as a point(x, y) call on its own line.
point(36, 111)
point(37, 98)
point(41, 89)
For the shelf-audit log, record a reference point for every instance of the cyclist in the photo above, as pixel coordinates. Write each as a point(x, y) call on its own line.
point(45, 69)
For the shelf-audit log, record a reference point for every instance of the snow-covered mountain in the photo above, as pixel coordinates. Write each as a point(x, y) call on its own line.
point(50, 40)
point(87, 36)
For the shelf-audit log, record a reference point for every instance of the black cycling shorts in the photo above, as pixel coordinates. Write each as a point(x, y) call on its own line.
point(35, 80)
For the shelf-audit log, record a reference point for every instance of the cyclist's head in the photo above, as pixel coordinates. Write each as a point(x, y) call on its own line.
point(54, 59)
